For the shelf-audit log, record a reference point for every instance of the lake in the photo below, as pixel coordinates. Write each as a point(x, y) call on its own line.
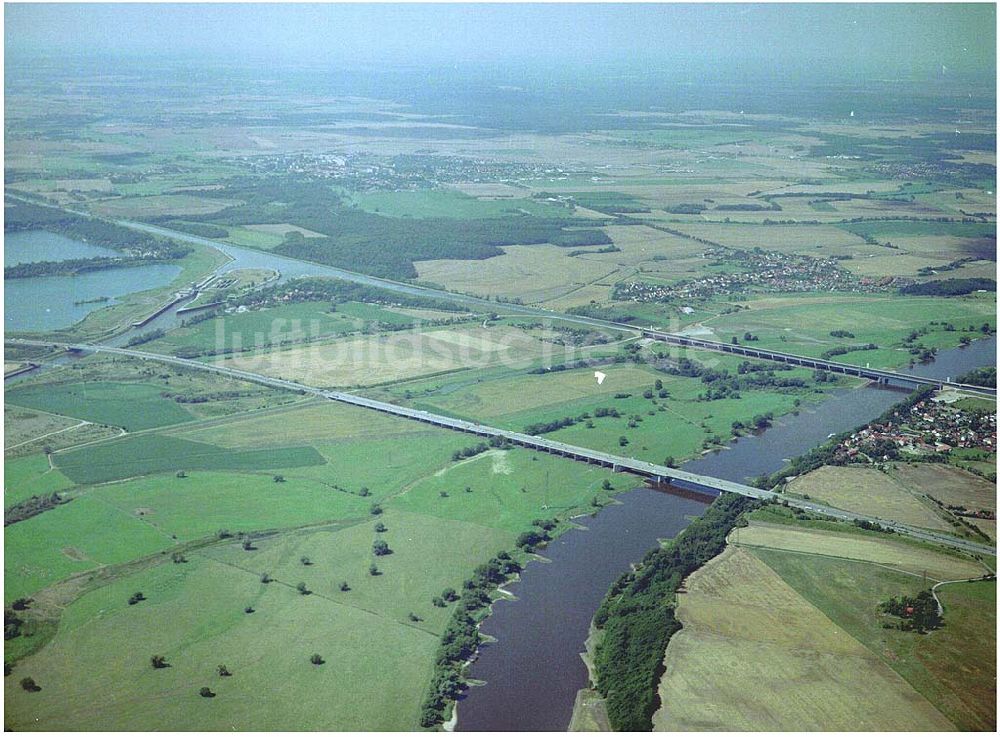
point(50, 302)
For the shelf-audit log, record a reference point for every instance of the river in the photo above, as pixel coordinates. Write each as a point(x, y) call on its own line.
point(534, 670)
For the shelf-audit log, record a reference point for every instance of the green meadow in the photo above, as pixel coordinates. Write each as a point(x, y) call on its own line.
point(291, 322)
point(803, 324)
point(153, 453)
point(134, 407)
point(30, 476)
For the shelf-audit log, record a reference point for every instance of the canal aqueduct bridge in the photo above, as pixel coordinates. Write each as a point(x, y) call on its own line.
point(657, 474)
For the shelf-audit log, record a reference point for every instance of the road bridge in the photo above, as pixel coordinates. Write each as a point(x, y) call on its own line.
point(655, 473)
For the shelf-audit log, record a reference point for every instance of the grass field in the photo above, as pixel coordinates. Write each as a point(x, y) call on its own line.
point(786, 665)
point(870, 492)
point(887, 551)
point(374, 672)
point(139, 455)
point(368, 360)
point(802, 324)
point(159, 205)
point(124, 392)
point(83, 534)
point(954, 668)
point(811, 240)
point(131, 406)
point(30, 476)
point(312, 421)
point(531, 273)
point(292, 322)
point(675, 426)
point(372, 648)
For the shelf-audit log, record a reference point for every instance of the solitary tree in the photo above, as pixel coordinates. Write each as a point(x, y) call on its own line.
point(265, 578)
point(28, 684)
point(373, 570)
point(158, 661)
point(248, 544)
point(375, 509)
point(413, 617)
point(302, 588)
point(206, 692)
point(305, 561)
point(248, 610)
point(449, 594)
point(316, 659)
point(224, 671)
point(606, 485)
point(379, 527)
point(279, 479)
point(381, 547)
point(136, 598)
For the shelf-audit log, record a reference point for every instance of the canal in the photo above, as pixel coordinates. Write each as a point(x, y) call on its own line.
point(534, 669)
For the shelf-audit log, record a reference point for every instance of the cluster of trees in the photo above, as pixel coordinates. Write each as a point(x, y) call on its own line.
point(316, 289)
point(637, 615)
point(200, 229)
point(840, 350)
point(540, 428)
point(917, 613)
point(949, 287)
point(470, 451)
point(146, 337)
point(980, 377)
point(841, 334)
point(461, 637)
point(373, 243)
point(30, 507)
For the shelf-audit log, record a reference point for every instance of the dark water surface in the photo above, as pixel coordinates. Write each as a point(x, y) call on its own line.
point(534, 670)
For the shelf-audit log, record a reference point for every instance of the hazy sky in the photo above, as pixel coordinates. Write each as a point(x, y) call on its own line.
point(910, 40)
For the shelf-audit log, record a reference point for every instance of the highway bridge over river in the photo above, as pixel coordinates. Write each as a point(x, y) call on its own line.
point(651, 471)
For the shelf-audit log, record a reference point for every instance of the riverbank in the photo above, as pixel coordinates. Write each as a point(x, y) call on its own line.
point(510, 671)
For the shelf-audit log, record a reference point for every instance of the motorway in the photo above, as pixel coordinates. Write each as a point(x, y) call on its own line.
point(894, 378)
point(651, 471)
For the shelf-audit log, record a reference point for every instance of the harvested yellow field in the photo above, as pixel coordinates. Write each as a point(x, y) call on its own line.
point(755, 655)
point(888, 552)
point(948, 484)
point(868, 491)
point(368, 360)
point(284, 229)
point(534, 273)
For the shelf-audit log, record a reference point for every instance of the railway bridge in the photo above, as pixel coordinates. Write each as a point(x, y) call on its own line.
point(657, 474)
